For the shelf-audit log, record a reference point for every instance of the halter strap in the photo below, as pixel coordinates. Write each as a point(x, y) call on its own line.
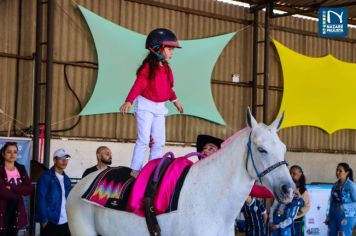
point(272, 167)
point(266, 171)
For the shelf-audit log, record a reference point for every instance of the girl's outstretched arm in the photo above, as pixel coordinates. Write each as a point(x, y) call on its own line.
point(179, 106)
point(125, 107)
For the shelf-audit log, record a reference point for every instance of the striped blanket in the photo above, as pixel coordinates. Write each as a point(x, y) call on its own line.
point(111, 188)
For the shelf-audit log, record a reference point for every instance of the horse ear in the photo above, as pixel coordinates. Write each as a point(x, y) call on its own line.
point(277, 123)
point(251, 122)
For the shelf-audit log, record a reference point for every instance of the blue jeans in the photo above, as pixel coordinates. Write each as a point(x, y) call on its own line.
point(339, 223)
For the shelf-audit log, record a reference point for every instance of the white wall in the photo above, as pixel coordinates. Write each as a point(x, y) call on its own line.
point(318, 167)
point(83, 153)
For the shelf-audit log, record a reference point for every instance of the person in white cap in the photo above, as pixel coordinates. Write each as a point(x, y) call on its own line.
point(52, 191)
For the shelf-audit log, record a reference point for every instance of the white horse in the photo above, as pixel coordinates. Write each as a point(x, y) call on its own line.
point(212, 195)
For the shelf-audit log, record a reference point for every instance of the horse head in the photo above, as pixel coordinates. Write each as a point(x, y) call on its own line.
point(265, 158)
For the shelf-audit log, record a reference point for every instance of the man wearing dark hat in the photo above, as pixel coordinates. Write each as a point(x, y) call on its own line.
point(207, 145)
point(52, 191)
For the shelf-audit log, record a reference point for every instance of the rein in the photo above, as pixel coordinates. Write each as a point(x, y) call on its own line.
point(266, 171)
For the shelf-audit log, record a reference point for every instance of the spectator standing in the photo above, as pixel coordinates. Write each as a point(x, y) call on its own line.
point(299, 179)
point(14, 184)
point(52, 191)
point(255, 215)
point(283, 215)
point(341, 216)
point(104, 160)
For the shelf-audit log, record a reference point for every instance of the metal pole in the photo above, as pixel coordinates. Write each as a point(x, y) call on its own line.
point(49, 79)
point(266, 63)
point(37, 88)
point(254, 63)
point(19, 39)
point(36, 98)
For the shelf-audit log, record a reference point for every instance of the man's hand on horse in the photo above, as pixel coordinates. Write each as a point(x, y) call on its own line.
point(152, 141)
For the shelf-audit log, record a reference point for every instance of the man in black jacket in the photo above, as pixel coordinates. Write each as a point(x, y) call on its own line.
point(104, 158)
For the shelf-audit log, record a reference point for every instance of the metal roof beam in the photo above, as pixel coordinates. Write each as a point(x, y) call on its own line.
point(346, 4)
point(292, 10)
point(257, 6)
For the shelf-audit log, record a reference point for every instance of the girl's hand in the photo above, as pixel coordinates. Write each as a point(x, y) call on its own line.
point(134, 173)
point(152, 141)
point(274, 227)
point(178, 106)
point(125, 107)
point(264, 218)
point(297, 193)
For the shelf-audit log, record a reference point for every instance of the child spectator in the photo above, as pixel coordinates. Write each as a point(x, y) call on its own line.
point(283, 215)
point(255, 216)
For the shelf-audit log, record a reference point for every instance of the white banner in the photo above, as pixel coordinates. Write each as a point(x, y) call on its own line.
point(314, 219)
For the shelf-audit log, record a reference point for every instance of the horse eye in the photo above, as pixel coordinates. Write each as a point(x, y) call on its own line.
point(261, 150)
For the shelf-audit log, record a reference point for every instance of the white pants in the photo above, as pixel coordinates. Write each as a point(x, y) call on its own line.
point(150, 120)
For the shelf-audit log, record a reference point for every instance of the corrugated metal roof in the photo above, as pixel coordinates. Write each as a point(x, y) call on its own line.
point(309, 7)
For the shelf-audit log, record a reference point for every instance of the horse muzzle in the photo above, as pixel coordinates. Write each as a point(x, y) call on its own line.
point(284, 193)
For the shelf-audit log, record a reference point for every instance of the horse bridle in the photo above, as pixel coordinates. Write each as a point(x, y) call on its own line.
point(266, 171)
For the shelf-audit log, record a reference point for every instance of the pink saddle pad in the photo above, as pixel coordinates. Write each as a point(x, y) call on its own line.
point(165, 189)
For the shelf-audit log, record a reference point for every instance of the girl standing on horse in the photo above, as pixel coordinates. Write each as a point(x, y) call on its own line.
point(152, 88)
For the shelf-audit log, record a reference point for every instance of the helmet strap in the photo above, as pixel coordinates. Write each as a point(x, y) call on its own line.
point(159, 55)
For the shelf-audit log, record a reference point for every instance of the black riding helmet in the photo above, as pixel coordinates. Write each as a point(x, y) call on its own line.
point(161, 37)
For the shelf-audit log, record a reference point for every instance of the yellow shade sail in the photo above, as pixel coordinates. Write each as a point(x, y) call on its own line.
point(318, 92)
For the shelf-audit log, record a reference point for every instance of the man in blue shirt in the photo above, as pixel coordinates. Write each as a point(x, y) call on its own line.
point(52, 190)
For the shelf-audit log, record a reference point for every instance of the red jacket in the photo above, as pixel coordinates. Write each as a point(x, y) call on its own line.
point(15, 193)
point(157, 89)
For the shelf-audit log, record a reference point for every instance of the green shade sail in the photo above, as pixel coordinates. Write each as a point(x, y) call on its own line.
point(121, 51)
